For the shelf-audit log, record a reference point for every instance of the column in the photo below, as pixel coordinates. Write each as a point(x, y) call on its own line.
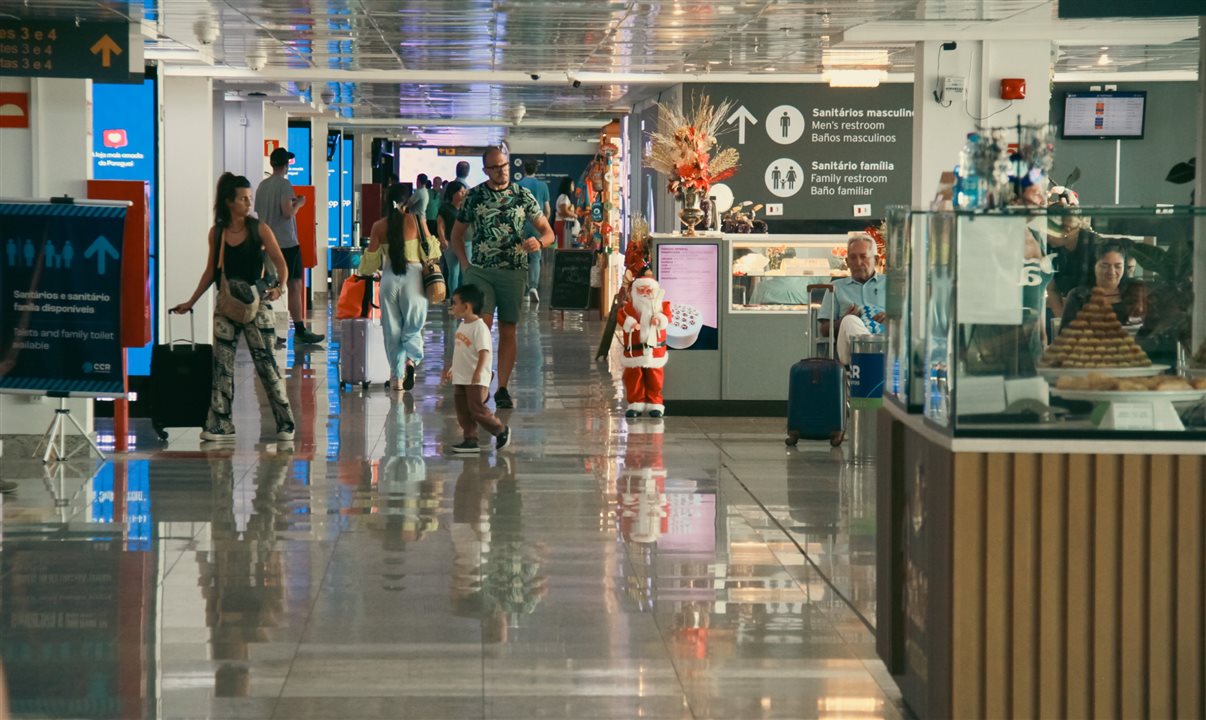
point(52, 157)
point(939, 129)
point(318, 178)
point(187, 114)
point(1199, 256)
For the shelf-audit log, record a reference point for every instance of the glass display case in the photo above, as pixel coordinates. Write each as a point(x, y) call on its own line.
point(1066, 322)
point(771, 274)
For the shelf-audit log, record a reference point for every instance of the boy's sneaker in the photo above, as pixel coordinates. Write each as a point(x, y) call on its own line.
point(284, 434)
point(466, 447)
point(504, 439)
point(207, 436)
point(408, 382)
point(502, 399)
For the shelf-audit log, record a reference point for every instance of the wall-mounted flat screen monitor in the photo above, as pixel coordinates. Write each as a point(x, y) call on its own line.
point(1104, 115)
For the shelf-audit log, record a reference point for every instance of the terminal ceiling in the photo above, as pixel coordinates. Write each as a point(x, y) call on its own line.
point(448, 64)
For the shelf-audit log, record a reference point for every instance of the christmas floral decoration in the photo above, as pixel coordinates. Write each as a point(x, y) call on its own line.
point(685, 148)
point(879, 234)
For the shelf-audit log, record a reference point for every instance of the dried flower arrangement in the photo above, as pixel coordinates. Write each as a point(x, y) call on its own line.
point(683, 150)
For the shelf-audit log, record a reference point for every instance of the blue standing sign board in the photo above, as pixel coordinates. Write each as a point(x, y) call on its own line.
point(60, 297)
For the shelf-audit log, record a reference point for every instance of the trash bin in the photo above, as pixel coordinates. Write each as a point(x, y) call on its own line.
point(344, 261)
point(866, 379)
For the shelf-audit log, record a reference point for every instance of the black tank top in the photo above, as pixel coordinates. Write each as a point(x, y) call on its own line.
point(244, 261)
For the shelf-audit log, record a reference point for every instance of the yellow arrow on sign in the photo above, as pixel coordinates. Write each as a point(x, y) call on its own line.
point(105, 47)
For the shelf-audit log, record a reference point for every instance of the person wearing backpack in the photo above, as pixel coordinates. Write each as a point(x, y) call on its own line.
point(237, 246)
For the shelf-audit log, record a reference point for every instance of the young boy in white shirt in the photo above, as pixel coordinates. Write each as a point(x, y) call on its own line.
point(470, 372)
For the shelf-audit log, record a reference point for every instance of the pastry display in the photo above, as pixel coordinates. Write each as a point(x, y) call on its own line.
point(1095, 339)
point(1106, 383)
point(685, 324)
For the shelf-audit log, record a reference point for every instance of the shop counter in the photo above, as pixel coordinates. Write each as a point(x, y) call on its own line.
point(741, 316)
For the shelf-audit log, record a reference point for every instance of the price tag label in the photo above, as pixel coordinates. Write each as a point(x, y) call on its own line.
point(1129, 416)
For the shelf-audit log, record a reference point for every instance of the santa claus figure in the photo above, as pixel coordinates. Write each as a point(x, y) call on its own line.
point(644, 318)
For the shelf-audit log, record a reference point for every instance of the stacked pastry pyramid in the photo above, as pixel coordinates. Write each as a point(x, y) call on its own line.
point(1095, 339)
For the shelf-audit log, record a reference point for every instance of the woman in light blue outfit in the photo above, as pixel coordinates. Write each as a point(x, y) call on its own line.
point(454, 197)
point(403, 302)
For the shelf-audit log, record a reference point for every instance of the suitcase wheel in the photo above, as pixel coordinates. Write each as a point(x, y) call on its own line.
point(364, 385)
point(342, 385)
point(161, 433)
point(793, 437)
point(836, 437)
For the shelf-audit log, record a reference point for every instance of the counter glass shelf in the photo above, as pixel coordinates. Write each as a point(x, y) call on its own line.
point(771, 274)
point(1014, 324)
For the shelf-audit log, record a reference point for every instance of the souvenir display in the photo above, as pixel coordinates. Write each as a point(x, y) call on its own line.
point(1095, 339)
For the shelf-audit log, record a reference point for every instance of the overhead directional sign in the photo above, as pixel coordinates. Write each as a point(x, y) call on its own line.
point(63, 48)
point(60, 297)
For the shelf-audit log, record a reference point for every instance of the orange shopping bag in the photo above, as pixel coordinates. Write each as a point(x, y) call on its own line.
point(356, 298)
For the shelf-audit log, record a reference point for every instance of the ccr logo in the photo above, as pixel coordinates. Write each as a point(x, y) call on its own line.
point(97, 367)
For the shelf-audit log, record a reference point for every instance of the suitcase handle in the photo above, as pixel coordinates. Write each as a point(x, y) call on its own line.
point(192, 325)
point(815, 319)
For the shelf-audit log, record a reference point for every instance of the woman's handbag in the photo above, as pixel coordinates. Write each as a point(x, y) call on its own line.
point(433, 277)
point(238, 300)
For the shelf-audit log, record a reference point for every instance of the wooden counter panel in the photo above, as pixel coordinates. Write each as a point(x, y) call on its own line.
point(1077, 586)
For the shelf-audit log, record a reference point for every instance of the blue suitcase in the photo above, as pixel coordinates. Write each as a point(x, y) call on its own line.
point(816, 389)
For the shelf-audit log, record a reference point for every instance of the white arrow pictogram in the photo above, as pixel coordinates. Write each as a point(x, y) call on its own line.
point(741, 116)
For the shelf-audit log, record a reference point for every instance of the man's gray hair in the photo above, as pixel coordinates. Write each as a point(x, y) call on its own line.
point(862, 238)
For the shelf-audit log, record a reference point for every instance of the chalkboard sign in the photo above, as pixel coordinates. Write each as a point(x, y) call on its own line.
point(571, 279)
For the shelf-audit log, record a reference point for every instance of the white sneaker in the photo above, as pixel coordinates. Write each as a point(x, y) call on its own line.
point(534, 296)
point(284, 435)
point(207, 436)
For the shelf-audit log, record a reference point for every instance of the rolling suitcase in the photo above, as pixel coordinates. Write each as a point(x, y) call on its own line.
point(362, 347)
point(816, 390)
point(181, 380)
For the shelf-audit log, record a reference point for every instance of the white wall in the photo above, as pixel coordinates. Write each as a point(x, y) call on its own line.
point(243, 140)
point(188, 195)
point(16, 150)
point(276, 127)
point(53, 157)
point(939, 132)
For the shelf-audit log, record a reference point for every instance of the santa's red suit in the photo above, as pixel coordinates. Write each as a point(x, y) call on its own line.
point(644, 319)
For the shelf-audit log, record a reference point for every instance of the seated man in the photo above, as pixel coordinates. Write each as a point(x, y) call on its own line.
point(860, 298)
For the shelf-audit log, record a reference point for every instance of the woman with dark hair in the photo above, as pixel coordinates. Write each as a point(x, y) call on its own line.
point(1126, 296)
point(454, 197)
point(237, 245)
point(403, 302)
point(566, 226)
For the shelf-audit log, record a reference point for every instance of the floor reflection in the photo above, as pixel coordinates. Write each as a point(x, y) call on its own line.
point(671, 568)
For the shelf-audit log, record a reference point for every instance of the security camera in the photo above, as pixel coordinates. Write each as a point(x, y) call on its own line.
point(534, 76)
point(577, 83)
point(257, 59)
point(207, 31)
point(327, 96)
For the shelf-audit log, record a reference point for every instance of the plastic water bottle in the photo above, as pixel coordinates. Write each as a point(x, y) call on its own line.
point(970, 187)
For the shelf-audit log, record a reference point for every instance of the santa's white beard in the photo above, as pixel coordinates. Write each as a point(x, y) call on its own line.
point(643, 306)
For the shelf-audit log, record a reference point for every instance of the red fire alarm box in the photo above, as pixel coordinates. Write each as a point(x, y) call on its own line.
point(1013, 89)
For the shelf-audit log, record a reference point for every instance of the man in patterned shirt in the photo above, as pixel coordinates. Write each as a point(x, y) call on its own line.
point(497, 211)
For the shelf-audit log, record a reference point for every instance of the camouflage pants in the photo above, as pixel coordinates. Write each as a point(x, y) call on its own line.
point(261, 340)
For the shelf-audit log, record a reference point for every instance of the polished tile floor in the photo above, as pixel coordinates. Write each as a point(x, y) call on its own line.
point(682, 568)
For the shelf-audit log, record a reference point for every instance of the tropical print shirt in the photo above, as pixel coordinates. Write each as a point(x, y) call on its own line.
point(497, 218)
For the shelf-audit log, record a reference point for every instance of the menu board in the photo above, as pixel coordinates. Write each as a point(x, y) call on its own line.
point(688, 274)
